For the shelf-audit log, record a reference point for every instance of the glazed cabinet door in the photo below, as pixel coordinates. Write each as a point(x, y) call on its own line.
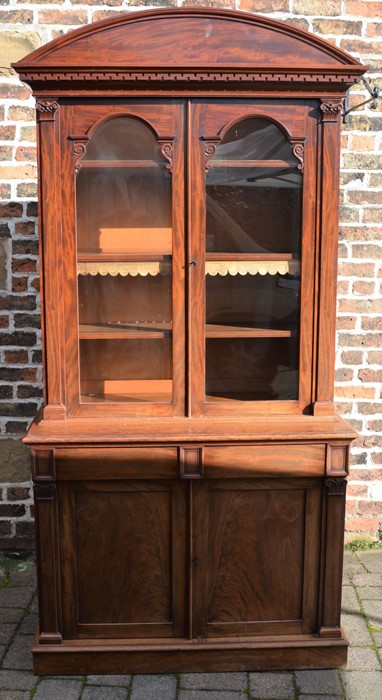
point(256, 547)
point(124, 209)
point(123, 559)
point(252, 181)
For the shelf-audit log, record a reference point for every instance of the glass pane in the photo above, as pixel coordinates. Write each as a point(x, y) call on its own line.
point(123, 139)
point(124, 268)
point(253, 241)
point(254, 139)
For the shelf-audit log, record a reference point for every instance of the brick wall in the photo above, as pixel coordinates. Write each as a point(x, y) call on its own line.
point(354, 25)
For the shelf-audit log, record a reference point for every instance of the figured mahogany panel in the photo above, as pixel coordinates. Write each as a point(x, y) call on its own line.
point(198, 37)
point(127, 539)
point(252, 460)
point(258, 564)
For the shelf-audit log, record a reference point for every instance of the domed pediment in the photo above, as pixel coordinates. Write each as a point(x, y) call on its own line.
point(179, 44)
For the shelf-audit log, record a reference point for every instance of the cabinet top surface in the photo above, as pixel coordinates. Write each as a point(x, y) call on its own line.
point(124, 431)
point(187, 46)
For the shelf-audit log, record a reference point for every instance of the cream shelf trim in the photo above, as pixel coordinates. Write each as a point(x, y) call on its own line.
point(252, 267)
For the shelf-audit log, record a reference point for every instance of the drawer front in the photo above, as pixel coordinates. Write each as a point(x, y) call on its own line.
point(260, 460)
point(117, 463)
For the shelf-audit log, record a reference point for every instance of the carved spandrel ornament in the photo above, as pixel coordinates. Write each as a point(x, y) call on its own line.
point(331, 111)
point(336, 487)
point(46, 110)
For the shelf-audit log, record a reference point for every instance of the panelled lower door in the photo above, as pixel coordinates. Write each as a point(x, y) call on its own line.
point(255, 557)
point(123, 558)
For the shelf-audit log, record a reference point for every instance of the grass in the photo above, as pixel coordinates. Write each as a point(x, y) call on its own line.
point(362, 546)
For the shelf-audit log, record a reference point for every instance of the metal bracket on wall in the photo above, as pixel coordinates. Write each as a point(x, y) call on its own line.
point(374, 93)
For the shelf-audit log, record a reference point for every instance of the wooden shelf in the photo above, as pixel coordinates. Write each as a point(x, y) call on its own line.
point(139, 331)
point(250, 164)
point(120, 256)
point(122, 164)
point(229, 331)
point(125, 331)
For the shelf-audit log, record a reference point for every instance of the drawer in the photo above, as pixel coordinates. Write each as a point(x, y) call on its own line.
point(280, 459)
point(116, 463)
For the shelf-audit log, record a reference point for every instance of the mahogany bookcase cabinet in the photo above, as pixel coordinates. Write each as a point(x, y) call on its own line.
point(189, 469)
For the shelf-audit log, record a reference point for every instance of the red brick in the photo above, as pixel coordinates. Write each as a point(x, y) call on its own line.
point(356, 269)
point(14, 92)
point(12, 357)
point(376, 458)
point(365, 474)
point(375, 357)
point(364, 197)
point(370, 375)
point(351, 507)
point(365, 8)
point(13, 209)
point(355, 392)
point(24, 265)
point(363, 288)
point(5, 153)
point(26, 153)
point(362, 524)
point(362, 47)
point(372, 323)
point(338, 27)
point(19, 284)
point(7, 132)
point(63, 17)
point(25, 228)
point(4, 321)
point(372, 216)
point(366, 340)
point(359, 234)
point(257, 5)
point(344, 374)
point(18, 493)
point(18, 113)
point(370, 507)
point(16, 16)
point(357, 490)
point(346, 323)
point(369, 306)
point(26, 190)
point(375, 426)
point(14, 427)
point(352, 357)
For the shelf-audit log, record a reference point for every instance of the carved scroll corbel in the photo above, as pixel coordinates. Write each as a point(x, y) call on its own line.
point(79, 150)
point(166, 144)
point(335, 487)
point(298, 147)
point(210, 144)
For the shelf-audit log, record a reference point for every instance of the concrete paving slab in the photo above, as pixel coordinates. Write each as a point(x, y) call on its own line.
point(372, 579)
point(19, 654)
point(29, 624)
point(7, 630)
point(12, 614)
point(122, 680)
point(372, 560)
point(210, 695)
point(278, 686)
point(350, 603)
point(363, 659)
point(94, 692)
point(213, 681)
point(356, 630)
point(363, 685)
point(370, 592)
point(154, 687)
point(14, 695)
point(17, 680)
point(323, 681)
point(16, 597)
point(58, 689)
